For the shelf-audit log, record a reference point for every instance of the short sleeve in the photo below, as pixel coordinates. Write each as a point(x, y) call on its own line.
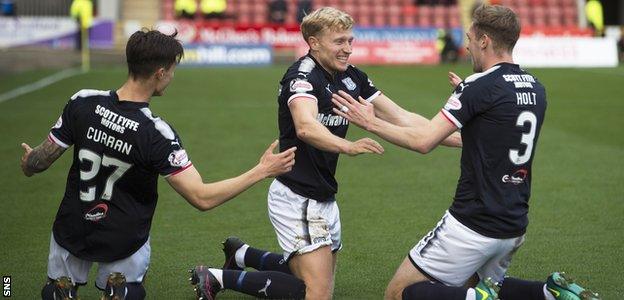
point(298, 86)
point(368, 90)
point(168, 156)
point(61, 132)
point(467, 101)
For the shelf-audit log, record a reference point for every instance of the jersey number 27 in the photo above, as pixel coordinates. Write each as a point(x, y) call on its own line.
point(96, 162)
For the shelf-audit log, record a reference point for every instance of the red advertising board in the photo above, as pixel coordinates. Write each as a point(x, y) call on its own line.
point(384, 53)
point(216, 33)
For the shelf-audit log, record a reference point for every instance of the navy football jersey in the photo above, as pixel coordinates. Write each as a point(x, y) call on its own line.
point(500, 113)
point(120, 148)
point(313, 173)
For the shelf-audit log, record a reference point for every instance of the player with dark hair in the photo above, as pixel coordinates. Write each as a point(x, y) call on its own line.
point(120, 148)
point(500, 111)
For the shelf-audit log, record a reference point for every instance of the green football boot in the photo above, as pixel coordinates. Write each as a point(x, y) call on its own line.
point(563, 287)
point(486, 290)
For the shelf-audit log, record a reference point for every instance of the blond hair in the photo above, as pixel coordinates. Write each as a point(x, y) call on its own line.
point(325, 18)
point(500, 23)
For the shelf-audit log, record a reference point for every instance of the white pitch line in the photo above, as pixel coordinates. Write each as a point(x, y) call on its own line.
point(44, 82)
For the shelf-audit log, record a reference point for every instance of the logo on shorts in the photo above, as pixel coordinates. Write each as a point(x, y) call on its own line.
point(97, 213)
point(348, 82)
point(178, 158)
point(319, 240)
point(515, 178)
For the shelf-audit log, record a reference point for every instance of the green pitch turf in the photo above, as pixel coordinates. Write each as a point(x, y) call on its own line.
point(226, 118)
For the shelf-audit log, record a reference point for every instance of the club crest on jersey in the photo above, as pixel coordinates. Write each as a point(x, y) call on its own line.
point(348, 82)
point(97, 213)
point(178, 158)
point(515, 178)
point(300, 86)
point(59, 122)
point(453, 102)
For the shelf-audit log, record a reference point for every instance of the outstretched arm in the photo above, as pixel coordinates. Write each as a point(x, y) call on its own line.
point(311, 131)
point(389, 111)
point(204, 196)
point(422, 138)
point(39, 159)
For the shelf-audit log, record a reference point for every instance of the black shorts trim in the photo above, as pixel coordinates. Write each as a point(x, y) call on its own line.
point(422, 271)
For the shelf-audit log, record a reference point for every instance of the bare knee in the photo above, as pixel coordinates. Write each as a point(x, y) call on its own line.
point(393, 292)
point(319, 290)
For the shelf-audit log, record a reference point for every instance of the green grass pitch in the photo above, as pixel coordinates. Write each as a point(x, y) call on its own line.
point(227, 116)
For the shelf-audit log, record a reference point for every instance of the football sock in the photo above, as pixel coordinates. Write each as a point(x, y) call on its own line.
point(135, 291)
point(547, 294)
point(239, 256)
point(265, 284)
point(263, 260)
point(218, 273)
point(47, 293)
point(427, 290)
point(518, 289)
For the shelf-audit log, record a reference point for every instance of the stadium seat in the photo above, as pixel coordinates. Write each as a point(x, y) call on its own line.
point(554, 16)
point(394, 15)
point(539, 16)
point(424, 15)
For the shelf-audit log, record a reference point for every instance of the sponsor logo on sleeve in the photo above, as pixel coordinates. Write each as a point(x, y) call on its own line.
point(453, 102)
point(348, 82)
point(300, 86)
point(178, 158)
point(58, 123)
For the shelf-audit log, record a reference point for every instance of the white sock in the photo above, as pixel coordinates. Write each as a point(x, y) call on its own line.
point(217, 274)
point(240, 256)
point(470, 294)
point(547, 294)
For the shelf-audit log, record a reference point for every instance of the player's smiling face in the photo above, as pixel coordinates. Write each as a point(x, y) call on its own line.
point(475, 50)
point(332, 49)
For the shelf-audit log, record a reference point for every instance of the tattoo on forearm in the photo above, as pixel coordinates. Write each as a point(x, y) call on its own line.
point(43, 156)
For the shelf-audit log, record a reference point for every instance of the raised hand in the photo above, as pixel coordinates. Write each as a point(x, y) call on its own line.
point(275, 164)
point(360, 113)
point(24, 161)
point(454, 80)
point(365, 145)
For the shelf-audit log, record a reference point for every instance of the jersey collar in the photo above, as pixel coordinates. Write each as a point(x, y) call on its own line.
point(128, 104)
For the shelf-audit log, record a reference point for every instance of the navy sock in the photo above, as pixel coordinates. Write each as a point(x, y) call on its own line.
point(47, 293)
point(518, 289)
point(265, 284)
point(266, 261)
point(136, 291)
point(427, 290)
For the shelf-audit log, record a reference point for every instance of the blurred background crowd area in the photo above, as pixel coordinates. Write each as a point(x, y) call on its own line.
point(422, 25)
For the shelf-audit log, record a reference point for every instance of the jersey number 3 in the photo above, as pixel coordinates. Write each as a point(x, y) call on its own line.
point(96, 162)
point(527, 138)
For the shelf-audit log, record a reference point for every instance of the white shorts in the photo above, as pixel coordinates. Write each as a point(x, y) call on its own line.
point(63, 263)
point(301, 224)
point(451, 253)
